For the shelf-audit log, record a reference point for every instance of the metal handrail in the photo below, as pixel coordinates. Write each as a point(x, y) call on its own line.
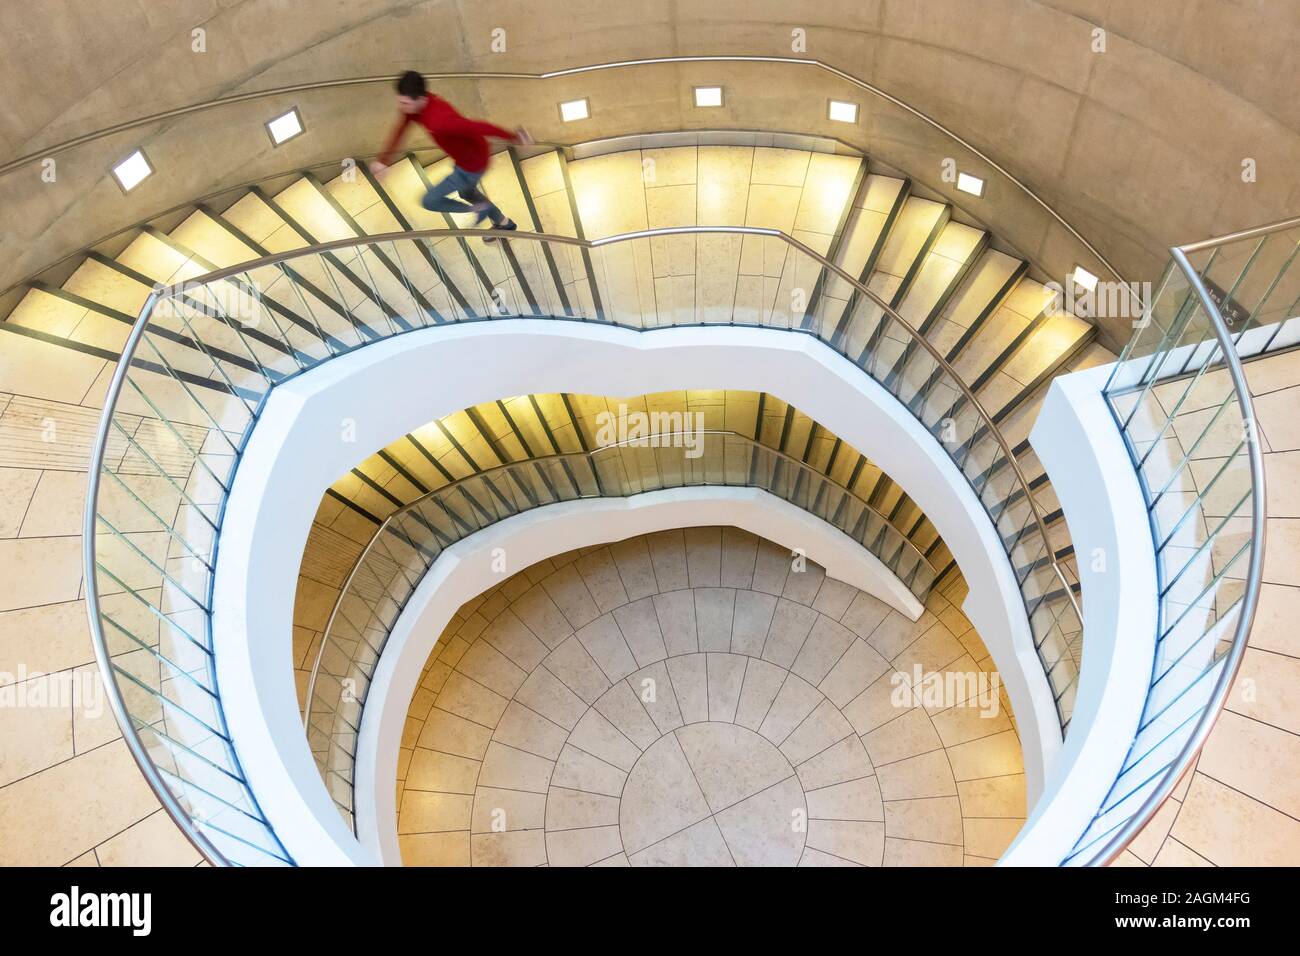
point(88, 532)
point(917, 338)
point(1280, 226)
point(572, 71)
point(573, 456)
point(1255, 568)
point(127, 360)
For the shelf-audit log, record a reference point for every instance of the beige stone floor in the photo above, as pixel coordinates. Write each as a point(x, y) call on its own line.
point(689, 698)
point(69, 791)
point(1241, 804)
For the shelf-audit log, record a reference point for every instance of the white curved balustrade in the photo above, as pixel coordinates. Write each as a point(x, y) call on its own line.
point(228, 370)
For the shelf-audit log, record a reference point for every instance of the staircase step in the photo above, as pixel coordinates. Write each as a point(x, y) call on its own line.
point(544, 178)
point(207, 238)
point(989, 282)
point(910, 235)
point(877, 204)
point(953, 254)
point(1049, 347)
point(304, 203)
point(1023, 305)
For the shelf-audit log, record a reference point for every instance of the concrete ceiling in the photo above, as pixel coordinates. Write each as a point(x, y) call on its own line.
point(1139, 146)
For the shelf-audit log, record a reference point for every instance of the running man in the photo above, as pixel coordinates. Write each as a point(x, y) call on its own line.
point(464, 140)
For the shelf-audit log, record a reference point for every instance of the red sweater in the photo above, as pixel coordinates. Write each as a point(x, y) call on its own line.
point(464, 140)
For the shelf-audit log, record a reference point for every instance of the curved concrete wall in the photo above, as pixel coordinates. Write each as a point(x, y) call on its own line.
point(386, 390)
point(1084, 453)
point(1139, 146)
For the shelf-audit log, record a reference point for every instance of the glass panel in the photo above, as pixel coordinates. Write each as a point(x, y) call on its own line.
point(213, 350)
point(1186, 419)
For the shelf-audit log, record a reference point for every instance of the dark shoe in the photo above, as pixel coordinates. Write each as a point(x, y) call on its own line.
point(508, 226)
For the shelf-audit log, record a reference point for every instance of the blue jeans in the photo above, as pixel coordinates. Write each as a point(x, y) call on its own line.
point(438, 198)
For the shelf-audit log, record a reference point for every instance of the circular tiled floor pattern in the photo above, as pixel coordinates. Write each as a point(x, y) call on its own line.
point(713, 794)
point(688, 698)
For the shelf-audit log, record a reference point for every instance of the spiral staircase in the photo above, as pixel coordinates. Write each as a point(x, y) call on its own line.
point(217, 307)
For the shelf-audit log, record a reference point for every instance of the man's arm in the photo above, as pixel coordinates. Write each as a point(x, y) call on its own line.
point(386, 154)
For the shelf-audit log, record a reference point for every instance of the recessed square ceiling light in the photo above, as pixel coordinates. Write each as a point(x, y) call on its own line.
point(1083, 278)
point(708, 96)
point(285, 127)
point(843, 112)
point(132, 171)
point(970, 184)
point(574, 110)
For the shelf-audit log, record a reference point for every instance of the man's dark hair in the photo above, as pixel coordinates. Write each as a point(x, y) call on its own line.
point(411, 84)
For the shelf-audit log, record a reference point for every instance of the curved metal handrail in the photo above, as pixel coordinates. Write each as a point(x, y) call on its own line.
point(486, 474)
point(1255, 567)
point(917, 338)
point(107, 678)
point(856, 81)
point(162, 292)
